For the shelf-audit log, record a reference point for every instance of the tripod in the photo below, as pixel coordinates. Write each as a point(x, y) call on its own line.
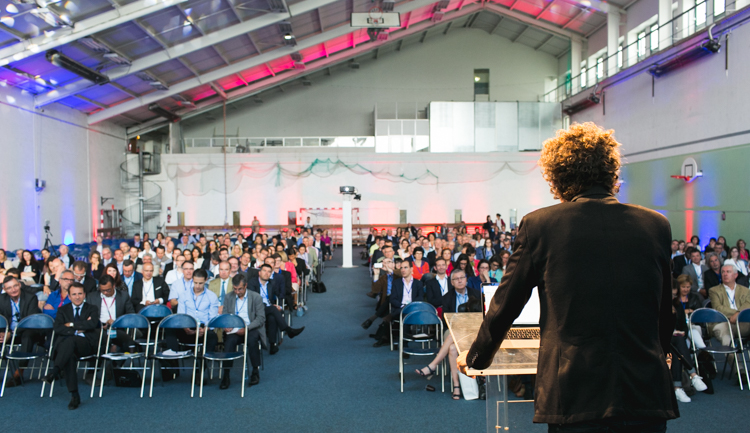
point(48, 238)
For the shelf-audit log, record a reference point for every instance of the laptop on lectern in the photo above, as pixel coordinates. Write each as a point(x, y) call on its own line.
point(525, 332)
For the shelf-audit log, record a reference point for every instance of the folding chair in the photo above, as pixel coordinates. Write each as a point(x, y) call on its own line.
point(175, 321)
point(128, 321)
point(154, 314)
point(744, 317)
point(225, 321)
point(419, 318)
point(38, 322)
point(3, 328)
point(706, 316)
point(410, 308)
point(87, 358)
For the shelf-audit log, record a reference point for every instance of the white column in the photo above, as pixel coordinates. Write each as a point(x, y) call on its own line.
point(346, 238)
point(613, 41)
point(575, 65)
point(665, 31)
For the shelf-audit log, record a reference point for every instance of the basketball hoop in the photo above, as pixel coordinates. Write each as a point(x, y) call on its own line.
point(689, 171)
point(376, 16)
point(685, 178)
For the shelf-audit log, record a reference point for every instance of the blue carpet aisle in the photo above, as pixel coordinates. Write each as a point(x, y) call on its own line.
point(329, 379)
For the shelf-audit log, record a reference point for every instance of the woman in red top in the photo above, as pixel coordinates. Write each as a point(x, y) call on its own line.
point(447, 255)
point(419, 266)
point(743, 251)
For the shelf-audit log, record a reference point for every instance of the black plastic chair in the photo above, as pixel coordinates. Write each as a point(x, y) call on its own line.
point(221, 322)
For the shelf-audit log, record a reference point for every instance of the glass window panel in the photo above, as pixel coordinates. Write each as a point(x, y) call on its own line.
point(700, 14)
point(719, 7)
point(655, 37)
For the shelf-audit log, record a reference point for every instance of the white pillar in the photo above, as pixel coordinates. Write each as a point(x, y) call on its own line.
point(346, 238)
point(613, 41)
point(575, 65)
point(665, 31)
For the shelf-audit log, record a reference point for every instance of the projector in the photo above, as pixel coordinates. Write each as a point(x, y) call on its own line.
point(346, 189)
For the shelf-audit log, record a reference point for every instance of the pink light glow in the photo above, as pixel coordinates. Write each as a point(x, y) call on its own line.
point(689, 203)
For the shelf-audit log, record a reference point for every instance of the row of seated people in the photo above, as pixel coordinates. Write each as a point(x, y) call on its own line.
point(260, 289)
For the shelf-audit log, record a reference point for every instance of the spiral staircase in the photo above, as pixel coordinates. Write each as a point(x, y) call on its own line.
point(130, 175)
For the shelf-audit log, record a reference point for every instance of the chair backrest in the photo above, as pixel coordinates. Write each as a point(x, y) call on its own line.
point(3, 322)
point(707, 315)
point(421, 318)
point(744, 316)
point(37, 321)
point(131, 321)
point(226, 321)
point(418, 306)
point(156, 311)
point(176, 321)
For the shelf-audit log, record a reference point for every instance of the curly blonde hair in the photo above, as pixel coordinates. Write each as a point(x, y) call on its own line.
point(580, 157)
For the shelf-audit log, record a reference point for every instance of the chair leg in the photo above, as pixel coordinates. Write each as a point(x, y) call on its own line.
point(153, 373)
point(739, 375)
point(203, 372)
point(5, 378)
point(104, 371)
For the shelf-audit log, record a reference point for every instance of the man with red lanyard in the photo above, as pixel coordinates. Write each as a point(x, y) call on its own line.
point(112, 304)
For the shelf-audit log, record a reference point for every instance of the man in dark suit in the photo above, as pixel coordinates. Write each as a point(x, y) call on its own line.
point(694, 269)
point(249, 306)
point(65, 256)
point(680, 261)
point(286, 277)
point(439, 286)
point(76, 335)
point(130, 276)
point(149, 290)
point(459, 293)
point(16, 305)
point(80, 271)
point(405, 290)
point(112, 304)
point(602, 362)
point(271, 294)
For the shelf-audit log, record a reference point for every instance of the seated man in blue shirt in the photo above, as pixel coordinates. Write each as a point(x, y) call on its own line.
point(201, 304)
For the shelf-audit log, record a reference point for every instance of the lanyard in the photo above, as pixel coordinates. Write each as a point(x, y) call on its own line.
point(17, 309)
point(104, 301)
point(732, 301)
point(238, 308)
point(264, 292)
point(407, 288)
point(196, 302)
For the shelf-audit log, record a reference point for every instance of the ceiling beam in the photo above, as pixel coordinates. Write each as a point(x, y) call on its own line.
point(13, 32)
point(91, 101)
point(448, 27)
point(164, 46)
point(544, 10)
point(338, 58)
point(219, 91)
point(497, 24)
point(550, 28)
point(182, 49)
point(243, 65)
point(520, 34)
point(424, 36)
point(84, 28)
point(575, 18)
point(544, 42)
point(320, 21)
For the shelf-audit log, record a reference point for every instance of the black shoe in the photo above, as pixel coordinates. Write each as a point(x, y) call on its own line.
point(293, 332)
point(380, 343)
point(255, 377)
point(375, 336)
point(406, 356)
point(274, 349)
point(75, 401)
point(366, 324)
point(49, 378)
point(224, 381)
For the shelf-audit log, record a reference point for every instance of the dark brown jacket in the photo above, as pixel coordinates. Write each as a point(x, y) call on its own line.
point(604, 278)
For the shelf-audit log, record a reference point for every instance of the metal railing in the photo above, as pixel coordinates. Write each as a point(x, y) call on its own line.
point(248, 144)
point(668, 34)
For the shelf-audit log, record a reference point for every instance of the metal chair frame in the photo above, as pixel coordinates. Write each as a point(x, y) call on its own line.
point(78, 367)
point(744, 317)
point(183, 321)
point(420, 318)
point(29, 322)
point(225, 321)
point(126, 322)
point(709, 315)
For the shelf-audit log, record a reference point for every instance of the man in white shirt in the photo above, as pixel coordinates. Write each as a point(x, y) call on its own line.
point(65, 256)
point(150, 290)
point(106, 256)
point(119, 258)
point(161, 259)
point(439, 286)
point(112, 304)
point(183, 285)
point(176, 273)
point(185, 244)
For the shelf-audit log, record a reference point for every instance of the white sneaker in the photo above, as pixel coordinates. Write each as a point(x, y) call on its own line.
point(698, 383)
point(681, 396)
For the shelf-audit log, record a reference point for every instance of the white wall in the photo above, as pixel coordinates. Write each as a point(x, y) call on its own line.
point(702, 104)
point(78, 164)
point(479, 184)
point(440, 69)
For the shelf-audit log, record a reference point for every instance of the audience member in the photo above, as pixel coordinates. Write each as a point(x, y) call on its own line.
point(405, 290)
point(272, 295)
point(76, 336)
point(16, 305)
point(695, 270)
point(149, 290)
point(112, 304)
point(59, 297)
point(249, 306)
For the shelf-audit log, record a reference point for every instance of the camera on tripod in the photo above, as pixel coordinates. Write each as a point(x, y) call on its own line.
point(48, 235)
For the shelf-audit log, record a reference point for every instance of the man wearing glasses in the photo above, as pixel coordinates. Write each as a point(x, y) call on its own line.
point(15, 305)
point(81, 276)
